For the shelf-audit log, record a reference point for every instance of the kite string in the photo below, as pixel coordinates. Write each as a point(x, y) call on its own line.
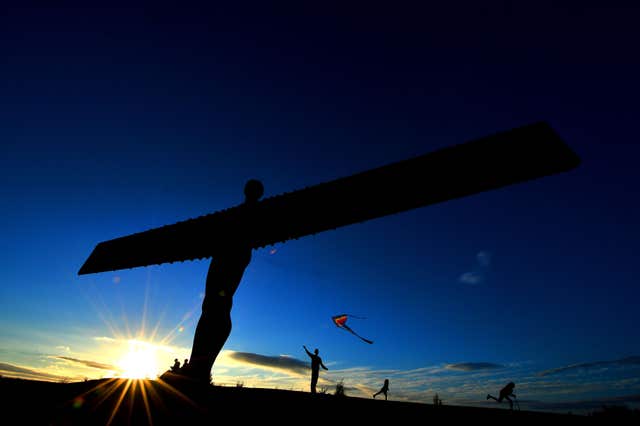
point(354, 316)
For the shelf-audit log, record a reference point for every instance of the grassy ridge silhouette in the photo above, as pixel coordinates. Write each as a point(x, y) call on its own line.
point(156, 402)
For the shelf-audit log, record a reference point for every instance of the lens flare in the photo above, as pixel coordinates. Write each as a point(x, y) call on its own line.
point(140, 362)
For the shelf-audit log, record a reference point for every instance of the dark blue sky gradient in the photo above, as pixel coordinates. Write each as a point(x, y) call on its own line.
point(113, 121)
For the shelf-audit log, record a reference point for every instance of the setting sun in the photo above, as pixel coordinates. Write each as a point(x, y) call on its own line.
point(140, 361)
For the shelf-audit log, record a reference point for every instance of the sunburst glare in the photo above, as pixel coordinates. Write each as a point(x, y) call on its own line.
point(140, 362)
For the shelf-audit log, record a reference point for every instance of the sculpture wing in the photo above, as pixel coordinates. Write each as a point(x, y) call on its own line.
point(492, 162)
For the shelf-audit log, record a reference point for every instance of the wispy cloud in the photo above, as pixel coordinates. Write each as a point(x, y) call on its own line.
point(471, 278)
point(478, 274)
point(632, 360)
point(280, 362)
point(484, 258)
point(11, 370)
point(88, 363)
point(105, 339)
point(473, 366)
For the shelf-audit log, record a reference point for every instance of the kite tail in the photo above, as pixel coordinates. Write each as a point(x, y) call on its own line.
point(357, 335)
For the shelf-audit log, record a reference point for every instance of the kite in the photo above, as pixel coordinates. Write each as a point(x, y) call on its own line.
point(341, 321)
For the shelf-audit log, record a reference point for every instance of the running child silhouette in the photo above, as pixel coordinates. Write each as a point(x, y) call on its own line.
point(505, 393)
point(384, 390)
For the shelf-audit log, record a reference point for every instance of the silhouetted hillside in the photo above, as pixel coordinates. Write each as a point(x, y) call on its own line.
point(121, 402)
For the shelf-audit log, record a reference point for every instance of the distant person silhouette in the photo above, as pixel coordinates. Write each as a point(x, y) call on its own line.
point(176, 366)
point(316, 363)
point(505, 393)
point(384, 389)
point(224, 275)
point(185, 364)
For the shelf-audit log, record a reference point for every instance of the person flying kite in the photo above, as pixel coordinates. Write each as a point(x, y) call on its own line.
point(341, 322)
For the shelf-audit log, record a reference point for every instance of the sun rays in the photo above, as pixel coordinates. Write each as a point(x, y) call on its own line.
point(140, 362)
point(130, 401)
point(139, 341)
point(140, 350)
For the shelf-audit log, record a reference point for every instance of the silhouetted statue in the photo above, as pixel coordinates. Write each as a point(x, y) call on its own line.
point(505, 393)
point(384, 389)
point(224, 275)
point(176, 366)
point(228, 236)
point(316, 363)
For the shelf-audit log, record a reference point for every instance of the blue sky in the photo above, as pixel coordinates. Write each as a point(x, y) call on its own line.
point(113, 121)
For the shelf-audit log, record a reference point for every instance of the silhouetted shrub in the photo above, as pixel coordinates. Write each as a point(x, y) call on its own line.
point(436, 400)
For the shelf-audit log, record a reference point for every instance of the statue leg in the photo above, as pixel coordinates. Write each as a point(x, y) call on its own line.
point(210, 336)
point(214, 325)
